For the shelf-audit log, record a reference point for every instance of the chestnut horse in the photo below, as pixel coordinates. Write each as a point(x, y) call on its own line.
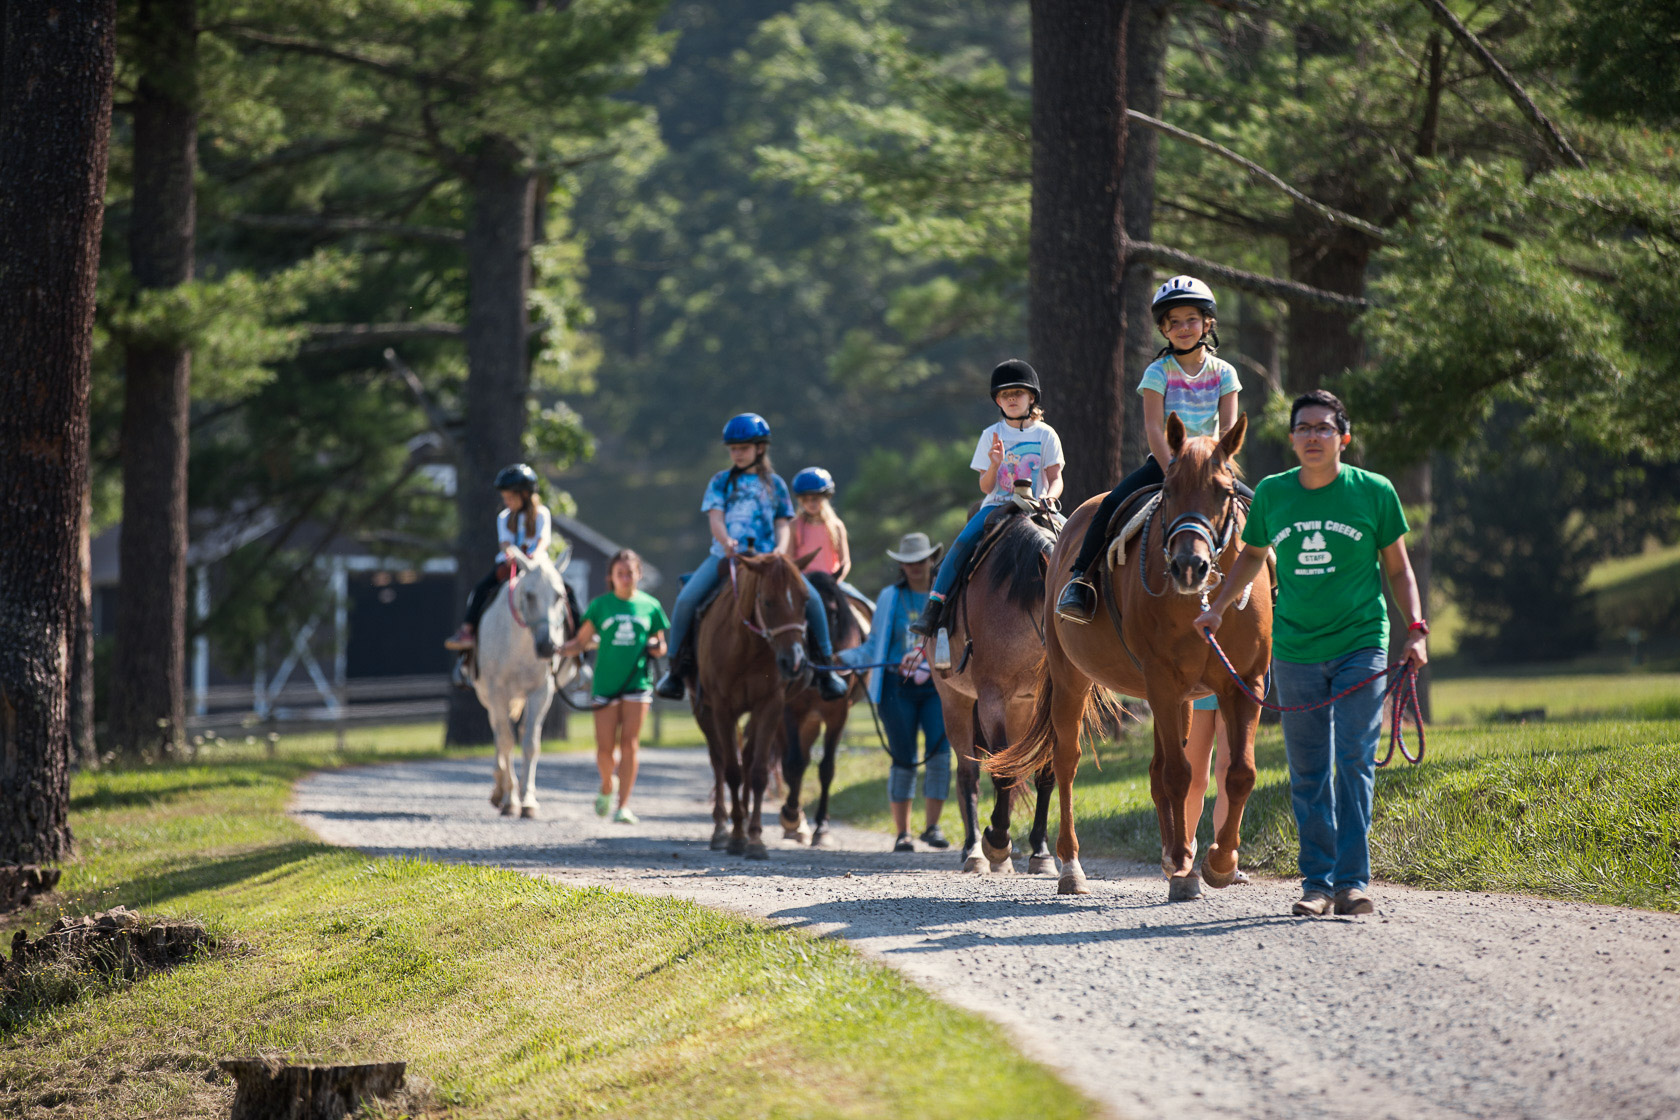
point(1155, 652)
point(807, 712)
point(750, 652)
point(987, 695)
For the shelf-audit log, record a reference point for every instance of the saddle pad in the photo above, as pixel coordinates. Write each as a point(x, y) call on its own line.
point(1118, 541)
point(996, 523)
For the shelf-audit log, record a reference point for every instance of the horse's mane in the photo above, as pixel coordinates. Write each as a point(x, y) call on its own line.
point(1020, 545)
point(842, 624)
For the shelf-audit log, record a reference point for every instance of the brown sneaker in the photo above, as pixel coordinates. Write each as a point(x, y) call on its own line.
point(463, 639)
point(1312, 904)
point(1354, 901)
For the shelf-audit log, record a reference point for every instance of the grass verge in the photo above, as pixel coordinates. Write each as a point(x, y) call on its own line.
point(1581, 810)
point(515, 997)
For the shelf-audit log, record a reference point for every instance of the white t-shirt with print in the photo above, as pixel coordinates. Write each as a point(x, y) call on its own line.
point(1026, 452)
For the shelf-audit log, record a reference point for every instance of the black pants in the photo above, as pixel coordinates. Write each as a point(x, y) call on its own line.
point(1096, 533)
point(480, 597)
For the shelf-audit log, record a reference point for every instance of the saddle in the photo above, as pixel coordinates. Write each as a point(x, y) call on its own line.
point(1133, 515)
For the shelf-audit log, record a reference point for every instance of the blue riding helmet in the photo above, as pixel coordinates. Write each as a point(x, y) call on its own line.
point(517, 477)
point(813, 480)
point(749, 427)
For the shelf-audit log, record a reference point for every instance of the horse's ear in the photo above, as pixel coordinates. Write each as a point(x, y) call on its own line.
point(1232, 441)
point(1175, 435)
point(565, 560)
point(800, 561)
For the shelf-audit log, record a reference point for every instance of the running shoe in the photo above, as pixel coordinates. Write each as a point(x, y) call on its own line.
point(624, 816)
point(603, 804)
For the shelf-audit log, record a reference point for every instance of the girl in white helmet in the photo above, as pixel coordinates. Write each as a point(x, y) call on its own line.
point(1187, 378)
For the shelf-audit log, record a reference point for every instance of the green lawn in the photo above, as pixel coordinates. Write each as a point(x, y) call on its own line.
point(516, 997)
point(1586, 808)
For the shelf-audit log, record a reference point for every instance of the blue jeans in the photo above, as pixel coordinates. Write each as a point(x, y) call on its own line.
point(1333, 815)
point(961, 549)
point(700, 585)
point(904, 707)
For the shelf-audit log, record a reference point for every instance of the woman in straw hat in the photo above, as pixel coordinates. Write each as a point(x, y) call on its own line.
point(904, 693)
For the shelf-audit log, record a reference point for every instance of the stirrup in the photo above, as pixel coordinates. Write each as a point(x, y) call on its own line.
point(942, 650)
point(1077, 603)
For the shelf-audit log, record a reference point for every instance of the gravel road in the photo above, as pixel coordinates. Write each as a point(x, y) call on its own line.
point(1440, 1005)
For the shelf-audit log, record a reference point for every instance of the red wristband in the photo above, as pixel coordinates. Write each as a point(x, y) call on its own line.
point(1420, 624)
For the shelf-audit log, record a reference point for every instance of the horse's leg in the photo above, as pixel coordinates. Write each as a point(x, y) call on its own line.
point(1169, 782)
point(825, 773)
point(794, 761)
point(959, 729)
point(714, 747)
point(995, 842)
point(1041, 859)
point(501, 726)
point(1068, 690)
point(1242, 717)
point(760, 759)
point(729, 731)
point(536, 710)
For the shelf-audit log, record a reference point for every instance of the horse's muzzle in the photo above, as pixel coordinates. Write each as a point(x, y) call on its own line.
point(545, 644)
point(790, 662)
point(1189, 570)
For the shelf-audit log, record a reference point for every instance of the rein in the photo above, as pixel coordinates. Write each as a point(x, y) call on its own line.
point(513, 606)
point(1198, 525)
point(1402, 689)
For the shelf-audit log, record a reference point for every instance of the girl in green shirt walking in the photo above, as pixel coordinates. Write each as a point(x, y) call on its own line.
point(627, 627)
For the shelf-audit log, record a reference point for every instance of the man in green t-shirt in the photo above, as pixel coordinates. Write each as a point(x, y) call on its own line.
point(1334, 529)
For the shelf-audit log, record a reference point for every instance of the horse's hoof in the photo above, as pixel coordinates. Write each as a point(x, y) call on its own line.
point(1213, 877)
point(1040, 865)
point(1183, 888)
point(976, 865)
point(819, 838)
point(1073, 879)
point(997, 853)
point(737, 845)
point(720, 838)
point(1002, 866)
point(495, 800)
point(757, 851)
point(792, 834)
point(529, 812)
point(509, 809)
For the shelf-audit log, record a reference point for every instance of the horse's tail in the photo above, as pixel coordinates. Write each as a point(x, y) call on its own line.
point(1034, 750)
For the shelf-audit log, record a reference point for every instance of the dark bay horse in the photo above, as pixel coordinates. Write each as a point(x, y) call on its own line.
point(1170, 567)
point(807, 713)
point(750, 649)
point(987, 695)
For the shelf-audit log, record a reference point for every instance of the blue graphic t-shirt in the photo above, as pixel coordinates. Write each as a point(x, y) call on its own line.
point(750, 509)
point(907, 608)
point(1026, 452)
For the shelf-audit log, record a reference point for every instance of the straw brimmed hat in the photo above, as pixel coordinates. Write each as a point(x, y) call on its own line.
point(913, 547)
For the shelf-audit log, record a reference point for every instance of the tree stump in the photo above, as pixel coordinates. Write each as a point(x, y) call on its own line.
point(268, 1089)
point(21, 882)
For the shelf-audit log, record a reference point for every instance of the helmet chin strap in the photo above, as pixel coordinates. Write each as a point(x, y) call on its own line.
point(1201, 342)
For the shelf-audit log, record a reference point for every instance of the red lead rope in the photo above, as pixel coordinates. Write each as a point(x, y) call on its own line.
point(1401, 693)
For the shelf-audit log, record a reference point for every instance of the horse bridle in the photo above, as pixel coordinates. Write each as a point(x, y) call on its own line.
point(1199, 525)
point(756, 623)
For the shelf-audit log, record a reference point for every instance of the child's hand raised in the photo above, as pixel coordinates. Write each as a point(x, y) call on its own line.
point(996, 453)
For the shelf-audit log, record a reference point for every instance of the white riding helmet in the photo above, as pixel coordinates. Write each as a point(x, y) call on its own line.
point(1183, 291)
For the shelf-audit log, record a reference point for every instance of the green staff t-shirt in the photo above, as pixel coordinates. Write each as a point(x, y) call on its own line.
point(624, 625)
point(1329, 569)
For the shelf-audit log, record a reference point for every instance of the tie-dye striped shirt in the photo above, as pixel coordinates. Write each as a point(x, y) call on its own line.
point(1195, 399)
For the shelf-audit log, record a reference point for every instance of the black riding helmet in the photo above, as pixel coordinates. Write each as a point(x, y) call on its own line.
point(1015, 374)
point(517, 477)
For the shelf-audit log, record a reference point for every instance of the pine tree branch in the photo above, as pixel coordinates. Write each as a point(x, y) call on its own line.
point(1542, 123)
point(1328, 213)
point(434, 414)
point(329, 337)
point(423, 78)
point(314, 223)
point(1290, 291)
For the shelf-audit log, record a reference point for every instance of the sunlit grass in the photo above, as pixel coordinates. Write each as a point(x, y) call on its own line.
point(515, 996)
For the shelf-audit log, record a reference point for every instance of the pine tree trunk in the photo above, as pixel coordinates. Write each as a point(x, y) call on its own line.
point(148, 699)
point(1321, 346)
point(84, 750)
point(1077, 318)
point(55, 128)
point(498, 376)
point(1146, 59)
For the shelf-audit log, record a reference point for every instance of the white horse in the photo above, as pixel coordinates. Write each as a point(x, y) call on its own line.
point(516, 677)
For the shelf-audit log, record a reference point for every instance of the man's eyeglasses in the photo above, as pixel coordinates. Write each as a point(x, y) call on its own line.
point(1315, 431)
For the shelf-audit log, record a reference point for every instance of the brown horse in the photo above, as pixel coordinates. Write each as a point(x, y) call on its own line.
point(750, 651)
point(987, 695)
point(807, 713)
point(1146, 646)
